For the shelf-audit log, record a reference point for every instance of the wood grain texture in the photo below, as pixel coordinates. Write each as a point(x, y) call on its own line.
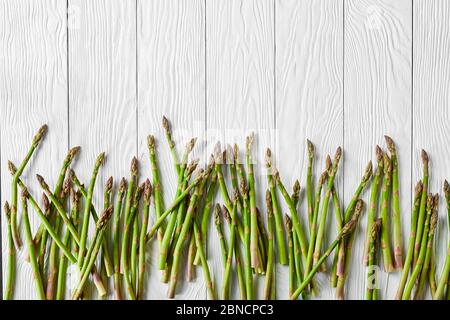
point(377, 101)
point(431, 126)
point(102, 92)
point(171, 82)
point(309, 88)
point(33, 91)
point(240, 84)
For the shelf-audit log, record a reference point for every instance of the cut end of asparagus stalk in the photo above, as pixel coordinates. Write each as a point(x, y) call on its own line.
point(104, 217)
point(425, 158)
point(390, 144)
point(310, 149)
point(134, 166)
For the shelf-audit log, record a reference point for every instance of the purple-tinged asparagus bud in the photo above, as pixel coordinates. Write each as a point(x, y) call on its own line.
point(25, 194)
point(166, 124)
point(328, 164)
point(104, 217)
point(288, 223)
point(168, 131)
point(151, 142)
point(40, 134)
point(67, 186)
point(7, 210)
point(226, 214)
point(147, 191)
point(109, 185)
point(134, 167)
point(310, 149)
point(446, 189)
point(425, 158)
point(379, 155)
point(45, 204)
point(123, 185)
point(217, 211)
point(391, 145)
point(337, 155)
point(368, 172)
point(323, 177)
point(11, 167)
point(42, 182)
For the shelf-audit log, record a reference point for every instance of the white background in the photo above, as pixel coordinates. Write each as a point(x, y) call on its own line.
point(339, 72)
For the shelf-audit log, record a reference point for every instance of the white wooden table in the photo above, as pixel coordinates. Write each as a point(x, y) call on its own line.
point(339, 72)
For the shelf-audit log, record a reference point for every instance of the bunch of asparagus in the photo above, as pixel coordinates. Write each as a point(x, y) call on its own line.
point(250, 248)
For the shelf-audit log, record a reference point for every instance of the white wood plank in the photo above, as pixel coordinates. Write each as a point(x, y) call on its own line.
point(240, 85)
point(102, 92)
point(309, 89)
point(377, 101)
point(171, 82)
point(33, 86)
point(431, 128)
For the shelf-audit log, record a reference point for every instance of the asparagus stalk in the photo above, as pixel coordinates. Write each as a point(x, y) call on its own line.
point(90, 259)
point(248, 264)
point(349, 245)
point(412, 236)
point(222, 241)
point(348, 229)
point(116, 239)
point(297, 251)
point(385, 224)
point(309, 182)
point(423, 203)
point(134, 245)
point(270, 254)
point(192, 251)
point(174, 204)
point(432, 275)
point(185, 231)
point(263, 242)
point(173, 151)
point(36, 140)
point(347, 216)
point(279, 231)
point(313, 230)
point(373, 206)
point(339, 225)
point(256, 263)
point(8, 294)
point(61, 286)
point(232, 242)
point(87, 209)
point(428, 253)
point(107, 262)
point(31, 250)
point(288, 224)
point(443, 281)
point(129, 223)
point(396, 221)
point(371, 258)
point(323, 216)
point(209, 283)
point(143, 233)
point(44, 234)
point(430, 224)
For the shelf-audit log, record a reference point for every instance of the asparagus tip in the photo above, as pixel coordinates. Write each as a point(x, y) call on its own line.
point(249, 141)
point(147, 190)
point(218, 152)
point(296, 187)
point(236, 194)
point(134, 166)
point(379, 155)
point(151, 142)
point(226, 214)
point(376, 227)
point(74, 151)
point(368, 172)
point(310, 148)
point(288, 222)
point(217, 214)
point(268, 157)
point(122, 185)
point(42, 182)
point(40, 134)
point(236, 153)
point(100, 159)
point(323, 177)
point(45, 202)
point(418, 189)
point(25, 194)
point(191, 144)
point(338, 155)
point(109, 185)
point(67, 186)
point(328, 163)
point(268, 199)
point(433, 221)
point(387, 164)
point(390, 144)
point(436, 201)
point(166, 124)
point(243, 188)
point(11, 167)
point(7, 209)
point(425, 158)
point(104, 217)
point(446, 188)
point(430, 201)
